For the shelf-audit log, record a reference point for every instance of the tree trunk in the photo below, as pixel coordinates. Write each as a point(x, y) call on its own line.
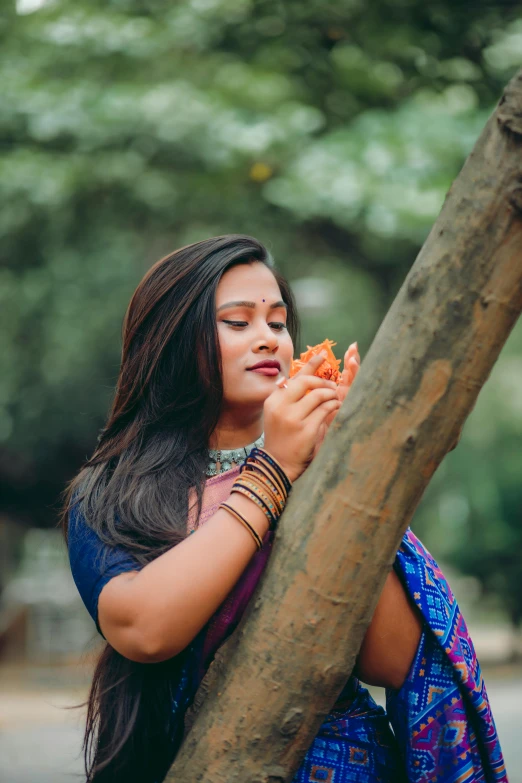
point(280, 673)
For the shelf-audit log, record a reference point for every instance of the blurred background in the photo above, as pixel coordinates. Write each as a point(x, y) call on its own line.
point(329, 130)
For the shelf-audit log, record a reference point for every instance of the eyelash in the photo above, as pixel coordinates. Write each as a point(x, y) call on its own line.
point(244, 323)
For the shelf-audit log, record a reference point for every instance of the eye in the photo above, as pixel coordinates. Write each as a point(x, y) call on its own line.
point(279, 326)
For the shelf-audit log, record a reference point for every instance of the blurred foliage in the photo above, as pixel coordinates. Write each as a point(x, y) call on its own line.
point(471, 513)
point(331, 131)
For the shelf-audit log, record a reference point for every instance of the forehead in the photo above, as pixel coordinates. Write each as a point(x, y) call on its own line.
point(247, 281)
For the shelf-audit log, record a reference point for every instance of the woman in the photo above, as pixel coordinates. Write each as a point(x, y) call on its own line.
point(171, 521)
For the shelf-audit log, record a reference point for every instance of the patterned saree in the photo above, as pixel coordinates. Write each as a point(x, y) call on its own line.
point(438, 728)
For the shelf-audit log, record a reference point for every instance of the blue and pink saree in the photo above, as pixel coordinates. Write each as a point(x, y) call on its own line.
point(438, 728)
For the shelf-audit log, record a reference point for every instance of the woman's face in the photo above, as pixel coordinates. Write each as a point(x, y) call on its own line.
point(250, 331)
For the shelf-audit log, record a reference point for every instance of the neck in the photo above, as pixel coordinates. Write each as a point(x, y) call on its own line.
point(234, 431)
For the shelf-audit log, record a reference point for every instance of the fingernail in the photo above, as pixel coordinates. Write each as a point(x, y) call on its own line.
point(351, 346)
point(323, 354)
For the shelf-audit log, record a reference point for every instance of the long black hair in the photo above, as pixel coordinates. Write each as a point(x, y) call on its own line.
point(134, 490)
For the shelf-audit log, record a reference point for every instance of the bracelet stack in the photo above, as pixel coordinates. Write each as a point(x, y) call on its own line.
point(263, 480)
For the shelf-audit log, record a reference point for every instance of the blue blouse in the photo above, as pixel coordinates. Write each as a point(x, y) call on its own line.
point(94, 563)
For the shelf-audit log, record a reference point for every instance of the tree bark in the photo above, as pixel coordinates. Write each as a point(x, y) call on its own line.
point(280, 673)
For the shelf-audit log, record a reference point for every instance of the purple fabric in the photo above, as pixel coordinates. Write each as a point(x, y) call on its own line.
point(226, 619)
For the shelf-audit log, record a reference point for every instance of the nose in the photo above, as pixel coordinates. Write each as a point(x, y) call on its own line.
point(267, 337)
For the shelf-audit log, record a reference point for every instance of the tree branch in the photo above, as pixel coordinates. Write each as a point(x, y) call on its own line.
point(284, 667)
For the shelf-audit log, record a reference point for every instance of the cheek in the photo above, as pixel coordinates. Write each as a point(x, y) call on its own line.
point(231, 352)
point(287, 349)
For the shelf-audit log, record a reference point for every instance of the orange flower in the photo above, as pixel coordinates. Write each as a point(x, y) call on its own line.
point(329, 369)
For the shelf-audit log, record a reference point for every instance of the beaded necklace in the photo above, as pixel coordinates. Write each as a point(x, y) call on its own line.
point(224, 459)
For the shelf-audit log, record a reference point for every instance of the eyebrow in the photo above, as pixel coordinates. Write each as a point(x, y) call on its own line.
point(273, 306)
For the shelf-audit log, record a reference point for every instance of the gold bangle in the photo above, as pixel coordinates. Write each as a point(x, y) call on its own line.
point(254, 468)
point(249, 527)
point(261, 456)
point(262, 478)
point(260, 489)
point(257, 500)
point(257, 483)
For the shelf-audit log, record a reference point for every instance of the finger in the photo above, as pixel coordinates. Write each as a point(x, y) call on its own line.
point(349, 373)
point(331, 416)
point(322, 412)
point(312, 365)
point(353, 367)
point(305, 406)
point(352, 352)
point(301, 384)
point(346, 376)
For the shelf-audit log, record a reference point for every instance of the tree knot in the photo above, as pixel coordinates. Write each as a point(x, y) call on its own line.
point(509, 111)
point(515, 196)
point(411, 440)
point(416, 284)
point(291, 722)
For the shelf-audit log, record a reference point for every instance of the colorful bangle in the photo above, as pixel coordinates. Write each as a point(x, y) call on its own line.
point(257, 465)
point(271, 503)
point(265, 457)
point(260, 482)
point(263, 480)
point(269, 475)
point(272, 519)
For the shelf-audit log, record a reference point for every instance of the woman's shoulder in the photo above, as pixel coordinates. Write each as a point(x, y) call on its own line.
point(93, 561)
point(85, 542)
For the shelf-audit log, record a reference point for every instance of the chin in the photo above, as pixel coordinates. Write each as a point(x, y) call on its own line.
point(250, 399)
point(251, 393)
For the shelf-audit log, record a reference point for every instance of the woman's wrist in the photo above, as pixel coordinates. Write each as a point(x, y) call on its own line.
point(263, 480)
point(289, 474)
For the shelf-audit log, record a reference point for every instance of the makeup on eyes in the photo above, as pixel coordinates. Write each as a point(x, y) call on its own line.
point(245, 323)
point(240, 304)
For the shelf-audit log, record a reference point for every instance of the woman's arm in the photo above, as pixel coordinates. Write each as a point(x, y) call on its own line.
point(153, 614)
point(392, 638)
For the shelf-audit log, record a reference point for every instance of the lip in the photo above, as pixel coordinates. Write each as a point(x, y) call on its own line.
point(266, 364)
point(269, 371)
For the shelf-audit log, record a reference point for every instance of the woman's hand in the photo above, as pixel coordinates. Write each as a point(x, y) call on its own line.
point(352, 362)
point(294, 416)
